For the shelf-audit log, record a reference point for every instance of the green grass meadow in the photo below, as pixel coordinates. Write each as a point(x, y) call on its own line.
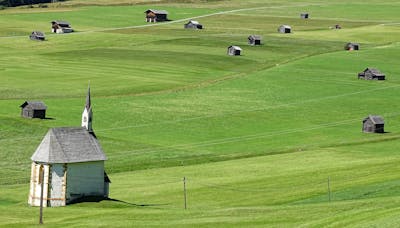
point(257, 136)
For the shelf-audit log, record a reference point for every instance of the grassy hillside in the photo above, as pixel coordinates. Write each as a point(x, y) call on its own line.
point(256, 135)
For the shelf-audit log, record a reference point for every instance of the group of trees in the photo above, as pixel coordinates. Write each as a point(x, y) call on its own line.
point(10, 3)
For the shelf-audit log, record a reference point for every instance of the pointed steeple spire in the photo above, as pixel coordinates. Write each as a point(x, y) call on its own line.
point(88, 102)
point(87, 114)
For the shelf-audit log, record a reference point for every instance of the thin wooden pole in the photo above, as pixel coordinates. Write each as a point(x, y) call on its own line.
point(329, 189)
point(41, 196)
point(184, 191)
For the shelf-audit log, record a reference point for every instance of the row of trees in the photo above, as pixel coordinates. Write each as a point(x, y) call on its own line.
point(10, 3)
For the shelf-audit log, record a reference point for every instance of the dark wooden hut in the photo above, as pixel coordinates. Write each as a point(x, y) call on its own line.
point(254, 40)
point(304, 15)
point(234, 50)
point(284, 29)
point(373, 124)
point(61, 27)
point(371, 74)
point(156, 15)
point(37, 35)
point(352, 46)
point(193, 25)
point(33, 109)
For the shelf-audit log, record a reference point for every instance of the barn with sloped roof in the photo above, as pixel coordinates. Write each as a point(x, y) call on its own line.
point(373, 124)
point(284, 29)
point(33, 109)
point(352, 46)
point(254, 39)
point(371, 74)
point(153, 15)
point(193, 25)
point(37, 35)
point(61, 27)
point(304, 15)
point(234, 50)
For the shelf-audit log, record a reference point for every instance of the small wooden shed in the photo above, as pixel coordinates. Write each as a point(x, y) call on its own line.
point(156, 15)
point(37, 35)
point(373, 124)
point(371, 74)
point(352, 46)
point(254, 39)
point(337, 26)
point(285, 29)
point(33, 109)
point(61, 27)
point(193, 25)
point(234, 50)
point(304, 15)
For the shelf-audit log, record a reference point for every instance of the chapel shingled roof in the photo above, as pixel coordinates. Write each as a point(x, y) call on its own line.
point(68, 145)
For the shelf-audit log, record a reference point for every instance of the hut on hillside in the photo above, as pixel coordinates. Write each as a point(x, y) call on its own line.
point(37, 35)
point(371, 74)
point(304, 15)
point(254, 40)
point(156, 15)
point(352, 46)
point(68, 166)
point(234, 50)
point(285, 29)
point(33, 109)
point(373, 124)
point(193, 25)
point(61, 27)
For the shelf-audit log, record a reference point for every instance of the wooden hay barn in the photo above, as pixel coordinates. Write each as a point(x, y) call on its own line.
point(37, 35)
point(193, 25)
point(156, 15)
point(304, 15)
point(285, 29)
point(61, 27)
point(33, 109)
point(234, 50)
point(373, 124)
point(371, 74)
point(69, 164)
point(254, 40)
point(352, 46)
